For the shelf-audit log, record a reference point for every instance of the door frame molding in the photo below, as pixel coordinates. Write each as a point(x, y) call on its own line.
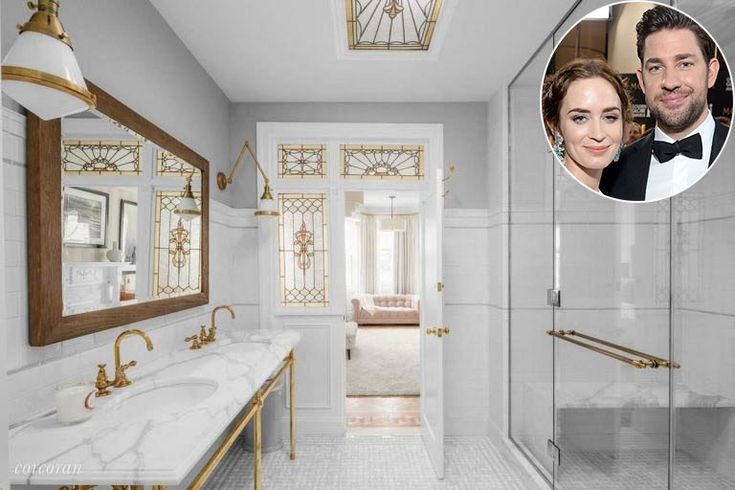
point(328, 418)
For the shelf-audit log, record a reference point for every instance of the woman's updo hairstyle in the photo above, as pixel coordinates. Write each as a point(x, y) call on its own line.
point(557, 84)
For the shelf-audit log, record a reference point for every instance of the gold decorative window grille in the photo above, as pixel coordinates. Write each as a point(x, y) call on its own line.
point(168, 164)
point(101, 157)
point(302, 161)
point(302, 240)
point(395, 162)
point(391, 25)
point(176, 248)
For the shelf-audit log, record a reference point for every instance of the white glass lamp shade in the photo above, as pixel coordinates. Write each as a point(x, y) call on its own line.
point(42, 74)
point(187, 209)
point(393, 224)
point(268, 207)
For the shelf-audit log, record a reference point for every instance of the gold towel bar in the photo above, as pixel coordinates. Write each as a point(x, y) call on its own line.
point(648, 360)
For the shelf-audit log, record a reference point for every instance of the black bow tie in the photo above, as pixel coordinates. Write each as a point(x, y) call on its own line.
point(689, 147)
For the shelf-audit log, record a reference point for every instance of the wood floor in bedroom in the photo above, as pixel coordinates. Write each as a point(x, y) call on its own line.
point(383, 414)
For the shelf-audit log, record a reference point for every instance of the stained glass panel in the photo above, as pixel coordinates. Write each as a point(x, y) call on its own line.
point(101, 157)
point(176, 248)
point(300, 161)
point(395, 162)
point(169, 164)
point(405, 25)
point(302, 237)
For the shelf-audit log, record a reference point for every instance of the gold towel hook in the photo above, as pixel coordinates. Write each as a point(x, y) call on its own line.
point(452, 168)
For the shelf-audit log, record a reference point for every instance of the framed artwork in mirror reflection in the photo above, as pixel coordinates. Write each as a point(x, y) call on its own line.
point(85, 215)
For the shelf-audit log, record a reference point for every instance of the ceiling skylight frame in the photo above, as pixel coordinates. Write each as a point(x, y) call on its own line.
point(434, 34)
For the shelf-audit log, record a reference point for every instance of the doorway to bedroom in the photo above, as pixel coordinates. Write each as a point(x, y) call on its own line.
point(382, 278)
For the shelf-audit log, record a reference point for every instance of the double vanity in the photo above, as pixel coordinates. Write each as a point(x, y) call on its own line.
point(170, 426)
point(118, 233)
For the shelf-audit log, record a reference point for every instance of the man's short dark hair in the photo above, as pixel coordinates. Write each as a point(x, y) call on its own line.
point(661, 18)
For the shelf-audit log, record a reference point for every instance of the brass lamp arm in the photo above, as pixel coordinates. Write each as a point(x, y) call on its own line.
point(222, 182)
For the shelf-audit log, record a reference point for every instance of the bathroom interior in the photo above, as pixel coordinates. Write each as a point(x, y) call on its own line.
point(181, 241)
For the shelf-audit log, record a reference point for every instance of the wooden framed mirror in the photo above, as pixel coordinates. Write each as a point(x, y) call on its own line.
point(107, 245)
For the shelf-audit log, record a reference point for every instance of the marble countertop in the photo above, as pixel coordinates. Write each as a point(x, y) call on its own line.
point(120, 445)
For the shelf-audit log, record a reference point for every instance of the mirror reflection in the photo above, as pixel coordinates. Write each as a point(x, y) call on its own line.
point(130, 217)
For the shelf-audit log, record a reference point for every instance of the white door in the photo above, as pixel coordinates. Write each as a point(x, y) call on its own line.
point(432, 351)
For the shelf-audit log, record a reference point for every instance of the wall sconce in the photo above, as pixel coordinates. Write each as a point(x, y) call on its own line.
point(187, 208)
point(41, 72)
point(268, 206)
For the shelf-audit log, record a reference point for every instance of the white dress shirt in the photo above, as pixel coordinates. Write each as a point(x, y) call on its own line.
point(670, 178)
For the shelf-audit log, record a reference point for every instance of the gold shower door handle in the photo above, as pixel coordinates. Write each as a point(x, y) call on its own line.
point(647, 361)
point(438, 331)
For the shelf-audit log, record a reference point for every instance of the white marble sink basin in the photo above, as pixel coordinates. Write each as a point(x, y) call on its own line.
point(174, 395)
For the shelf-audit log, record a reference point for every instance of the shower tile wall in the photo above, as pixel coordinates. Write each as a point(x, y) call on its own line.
point(704, 310)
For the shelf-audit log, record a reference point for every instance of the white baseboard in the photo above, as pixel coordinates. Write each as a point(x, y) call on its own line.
point(309, 426)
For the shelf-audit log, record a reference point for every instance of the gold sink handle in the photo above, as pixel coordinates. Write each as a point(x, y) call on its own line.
point(195, 342)
point(103, 383)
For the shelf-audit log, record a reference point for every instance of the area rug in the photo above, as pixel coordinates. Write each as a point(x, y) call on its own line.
point(385, 362)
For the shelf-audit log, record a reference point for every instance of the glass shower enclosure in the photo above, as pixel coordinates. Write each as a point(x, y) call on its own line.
point(622, 315)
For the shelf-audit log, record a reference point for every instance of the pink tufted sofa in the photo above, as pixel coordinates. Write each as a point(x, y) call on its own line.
point(389, 309)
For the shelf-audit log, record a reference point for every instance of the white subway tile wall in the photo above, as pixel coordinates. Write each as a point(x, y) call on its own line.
point(32, 371)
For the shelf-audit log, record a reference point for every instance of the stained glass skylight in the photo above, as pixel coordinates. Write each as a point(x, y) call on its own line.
point(403, 25)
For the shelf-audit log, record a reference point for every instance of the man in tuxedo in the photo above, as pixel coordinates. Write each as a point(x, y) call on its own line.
point(678, 66)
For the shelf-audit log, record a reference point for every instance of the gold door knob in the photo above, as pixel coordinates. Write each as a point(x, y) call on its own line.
point(439, 332)
point(431, 331)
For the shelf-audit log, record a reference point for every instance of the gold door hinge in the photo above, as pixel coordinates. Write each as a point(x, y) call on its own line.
point(440, 286)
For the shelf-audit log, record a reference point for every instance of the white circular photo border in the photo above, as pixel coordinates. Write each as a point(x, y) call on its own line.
point(541, 110)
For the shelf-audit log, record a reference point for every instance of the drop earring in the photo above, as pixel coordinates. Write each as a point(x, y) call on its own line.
point(558, 147)
point(617, 153)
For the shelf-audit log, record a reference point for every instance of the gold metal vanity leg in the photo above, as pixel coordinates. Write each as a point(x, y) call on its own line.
point(159, 487)
point(257, 440)
point(292, 402)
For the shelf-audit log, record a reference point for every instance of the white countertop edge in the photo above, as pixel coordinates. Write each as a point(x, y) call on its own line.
point(283, 341)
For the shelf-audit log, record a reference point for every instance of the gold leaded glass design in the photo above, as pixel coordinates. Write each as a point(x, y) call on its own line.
point(101, 157)
point(405, 25)
point(176, 248)
point(169, 164)
point(302, 244)
point(301, 161)
point(395, 162)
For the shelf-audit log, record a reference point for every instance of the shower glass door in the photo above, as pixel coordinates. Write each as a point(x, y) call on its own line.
point(611, 340)
point(640, 284)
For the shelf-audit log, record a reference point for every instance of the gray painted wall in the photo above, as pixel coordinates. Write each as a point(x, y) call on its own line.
point(465, 138)
point(3, 339)
point(130, 51)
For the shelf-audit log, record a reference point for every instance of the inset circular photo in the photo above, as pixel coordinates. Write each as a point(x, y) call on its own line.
point(637, 101)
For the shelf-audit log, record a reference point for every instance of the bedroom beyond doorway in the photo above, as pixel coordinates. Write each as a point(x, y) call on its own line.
point(382, 246)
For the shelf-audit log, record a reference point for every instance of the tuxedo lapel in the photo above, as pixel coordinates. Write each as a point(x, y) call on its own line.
point(718, 141)
point(640, 166)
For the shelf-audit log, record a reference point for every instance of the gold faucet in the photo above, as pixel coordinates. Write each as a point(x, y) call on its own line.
point(121, 379)
point(213, 329)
